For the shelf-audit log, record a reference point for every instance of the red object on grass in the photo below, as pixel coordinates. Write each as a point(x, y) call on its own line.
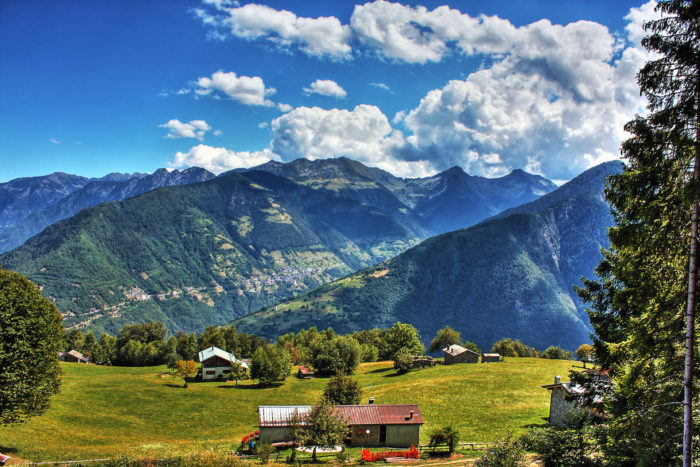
point(368, 456)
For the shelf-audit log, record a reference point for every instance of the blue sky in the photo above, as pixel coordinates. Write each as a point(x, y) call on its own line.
point(91, 87)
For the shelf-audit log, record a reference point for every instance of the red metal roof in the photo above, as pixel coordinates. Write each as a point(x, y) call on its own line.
point(368, 414)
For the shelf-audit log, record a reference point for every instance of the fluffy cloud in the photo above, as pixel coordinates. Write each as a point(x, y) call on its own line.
point(551, 99)
point(363, 133)
point(218, 160)
point(326, 87)
point(54, 141)
point(323, 36)
point(249, 90)
point(192, 129)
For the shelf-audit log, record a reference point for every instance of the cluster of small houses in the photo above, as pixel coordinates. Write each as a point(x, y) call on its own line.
point(369, 424)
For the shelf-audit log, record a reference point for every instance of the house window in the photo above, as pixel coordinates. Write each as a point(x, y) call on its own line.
point(211, 372)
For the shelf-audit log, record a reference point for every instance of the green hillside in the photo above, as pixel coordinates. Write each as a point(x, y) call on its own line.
point(109, 411)
point(204, 253)
point(506, 277)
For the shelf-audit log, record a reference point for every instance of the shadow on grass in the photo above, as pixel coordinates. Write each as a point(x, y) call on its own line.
point(171, 385)
point(392, 375)
point(539, 425)
point(250, 386)
point(380, 370)
point(7, 450)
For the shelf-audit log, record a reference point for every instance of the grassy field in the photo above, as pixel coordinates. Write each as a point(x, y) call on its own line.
point(110, 411)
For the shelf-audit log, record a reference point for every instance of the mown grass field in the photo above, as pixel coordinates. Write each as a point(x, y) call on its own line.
point(110, 411)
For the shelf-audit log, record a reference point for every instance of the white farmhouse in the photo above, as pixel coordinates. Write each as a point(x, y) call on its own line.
point(216, 363)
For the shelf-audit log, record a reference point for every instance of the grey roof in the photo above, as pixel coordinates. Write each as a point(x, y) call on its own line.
point(456, 349)
point(212, 351)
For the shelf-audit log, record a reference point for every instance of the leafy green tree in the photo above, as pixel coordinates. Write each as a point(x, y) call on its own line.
point(326, 427)
point(342, 390)
point(231, 343)
point(444, 337)
point(185, 369)
point(74, 340)
point(145, 333)
point(271, 364)
point(471, 346)
point(369, 353)
point(402, 335)
point(211, 336)
point(557, 353)
point(237, 373)
point(31, 335)
point(643, 304)
point(108, 345)
point(513, 348)
point(90, 345)
point(337, 355)
point(403, 360)
point(187, 347)
point(584, 353)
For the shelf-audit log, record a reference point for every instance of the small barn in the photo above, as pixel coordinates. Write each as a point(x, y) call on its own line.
point(457, 354)
point(216, 363)
point(368, 425)
point(490, 357)
point(73, 356)
point(304, 373)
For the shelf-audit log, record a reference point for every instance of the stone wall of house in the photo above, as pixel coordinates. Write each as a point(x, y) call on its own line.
point(360, 437)
point(559, 407)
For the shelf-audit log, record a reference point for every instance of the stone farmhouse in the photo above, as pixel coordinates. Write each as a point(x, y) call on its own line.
point(457, 354)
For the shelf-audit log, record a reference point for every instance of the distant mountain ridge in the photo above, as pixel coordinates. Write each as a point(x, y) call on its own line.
point(112, 187)
point(508, 276)
point(206, 252)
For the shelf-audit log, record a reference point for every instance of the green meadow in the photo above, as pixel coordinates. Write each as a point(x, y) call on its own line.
point(112, 411)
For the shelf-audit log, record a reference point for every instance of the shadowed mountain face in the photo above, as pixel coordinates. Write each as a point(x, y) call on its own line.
point(447, 201)
point(112, 187)
point(509, 276)
point(194, 254)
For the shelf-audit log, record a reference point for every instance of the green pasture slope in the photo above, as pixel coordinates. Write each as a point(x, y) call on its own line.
point(109, 411)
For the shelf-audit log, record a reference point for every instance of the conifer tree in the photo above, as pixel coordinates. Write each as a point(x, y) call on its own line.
point(644, 302)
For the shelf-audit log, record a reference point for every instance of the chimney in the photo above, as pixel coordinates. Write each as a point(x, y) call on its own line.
point(371, 400)
point(410, 416)
point(557, 379)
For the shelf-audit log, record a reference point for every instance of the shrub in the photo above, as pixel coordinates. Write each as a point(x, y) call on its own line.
point(510, 453)
point(264, 451)
point(403, 360)
point(444, 436)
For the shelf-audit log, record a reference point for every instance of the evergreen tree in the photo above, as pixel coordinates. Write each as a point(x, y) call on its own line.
point(644, 301)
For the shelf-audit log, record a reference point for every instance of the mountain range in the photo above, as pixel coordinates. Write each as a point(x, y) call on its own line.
point(210, 251)
point(509, 276)
point(33, 204)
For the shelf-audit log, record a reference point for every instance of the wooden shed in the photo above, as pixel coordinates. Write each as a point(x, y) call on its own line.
point(490, 357)
point(304, 373)
point(457, 354)
point(73, 356)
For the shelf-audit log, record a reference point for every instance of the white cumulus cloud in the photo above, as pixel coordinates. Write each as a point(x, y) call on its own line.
point(192, 129)
point(326, 87)
point(322, 37)
point(249, 90)
point(219, 159)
